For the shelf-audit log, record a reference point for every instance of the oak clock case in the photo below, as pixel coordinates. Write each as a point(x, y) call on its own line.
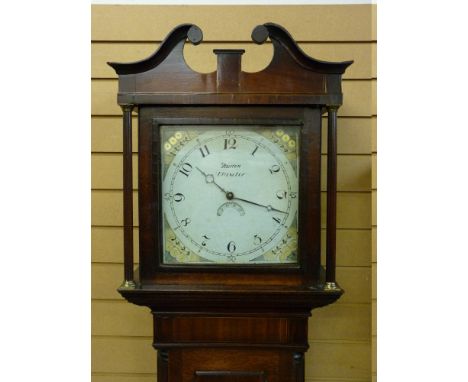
point(229, 206)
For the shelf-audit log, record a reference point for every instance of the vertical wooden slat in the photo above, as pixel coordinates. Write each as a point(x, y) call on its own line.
point(331, 196)
point(127, 196)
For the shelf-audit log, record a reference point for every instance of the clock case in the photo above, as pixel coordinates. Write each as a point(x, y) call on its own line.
point(230, 306)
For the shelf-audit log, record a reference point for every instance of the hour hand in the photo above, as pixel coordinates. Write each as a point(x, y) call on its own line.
point(209, 178)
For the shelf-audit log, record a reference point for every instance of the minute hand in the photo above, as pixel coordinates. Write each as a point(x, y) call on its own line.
point(269, 208)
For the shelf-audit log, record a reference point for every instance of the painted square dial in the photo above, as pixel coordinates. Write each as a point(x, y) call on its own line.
point(230, 194)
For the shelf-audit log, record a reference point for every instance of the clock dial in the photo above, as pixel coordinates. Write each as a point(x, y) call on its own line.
point(229, 196)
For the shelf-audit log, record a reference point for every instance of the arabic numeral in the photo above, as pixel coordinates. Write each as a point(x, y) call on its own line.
point(274, 169)
point(179, 197)
point(204, 241)
point(229, 143)
point(185, 222)
point(257, 240)
point(204, 151)
point(281, 194)
point(231, 247)
point(186, 169)
point(276, 219)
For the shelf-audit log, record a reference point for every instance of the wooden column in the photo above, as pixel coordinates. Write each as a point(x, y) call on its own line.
point(163, 364)
point(299, 367)
point(128, 196)
point(331, 198)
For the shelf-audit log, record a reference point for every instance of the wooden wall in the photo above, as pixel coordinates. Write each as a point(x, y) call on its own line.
point(341, 335)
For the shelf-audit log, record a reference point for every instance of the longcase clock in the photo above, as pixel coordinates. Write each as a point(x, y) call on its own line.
point(229, 206)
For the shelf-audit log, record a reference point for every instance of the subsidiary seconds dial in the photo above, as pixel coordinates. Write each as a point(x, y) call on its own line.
point(230, 196)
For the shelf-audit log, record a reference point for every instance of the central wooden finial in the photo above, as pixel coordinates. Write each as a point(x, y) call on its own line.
point(229, 68)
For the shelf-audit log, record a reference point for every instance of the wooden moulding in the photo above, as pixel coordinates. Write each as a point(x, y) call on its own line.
point(292, 77)
point(193, 298)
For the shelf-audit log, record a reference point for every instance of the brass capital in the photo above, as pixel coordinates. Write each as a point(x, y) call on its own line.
point(127, 107)
point(128, 284)
point(331, 286)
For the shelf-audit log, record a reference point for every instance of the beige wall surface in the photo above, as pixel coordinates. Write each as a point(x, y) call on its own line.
point(341, 336)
